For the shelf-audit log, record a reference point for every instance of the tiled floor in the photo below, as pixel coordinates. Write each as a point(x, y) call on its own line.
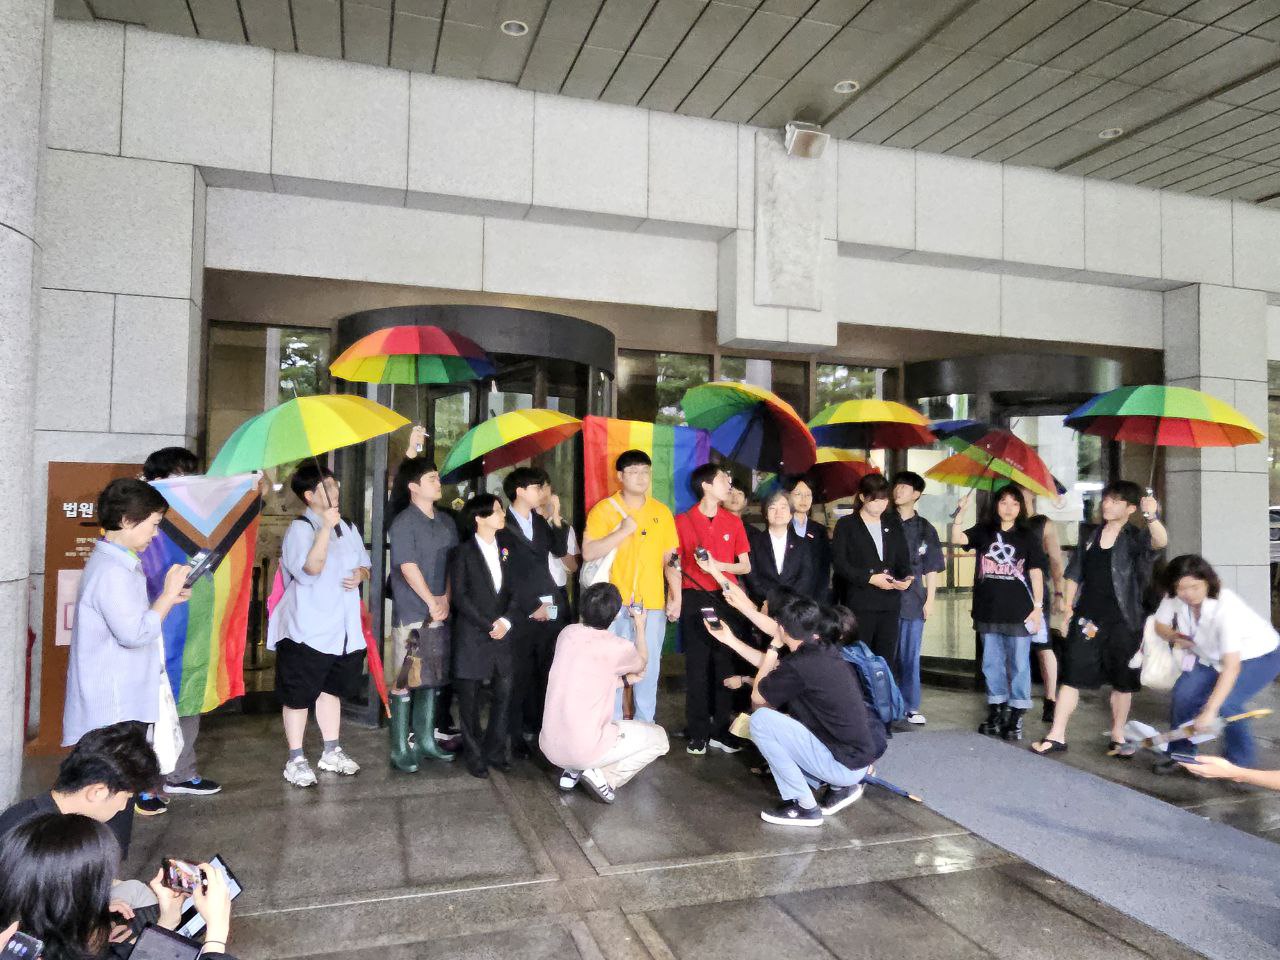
point(439, 865)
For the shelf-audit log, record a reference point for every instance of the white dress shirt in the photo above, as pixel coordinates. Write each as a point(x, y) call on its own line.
point(779, 548)
point(492, 560)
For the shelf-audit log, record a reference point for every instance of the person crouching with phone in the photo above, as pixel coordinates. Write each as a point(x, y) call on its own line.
point(1008, 604)
point(579, 733)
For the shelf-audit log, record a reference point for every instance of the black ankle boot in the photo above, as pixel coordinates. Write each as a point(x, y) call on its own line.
point(995, 720)
point(1047, 713)
point(1012, 729)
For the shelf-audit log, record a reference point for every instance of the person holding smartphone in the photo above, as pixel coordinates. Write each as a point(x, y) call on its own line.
point(927, 561)
point(1008, 599)
point(712, 541)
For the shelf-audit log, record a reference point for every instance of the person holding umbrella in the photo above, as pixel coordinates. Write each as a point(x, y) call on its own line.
point(315, 629)
point(1105, 580)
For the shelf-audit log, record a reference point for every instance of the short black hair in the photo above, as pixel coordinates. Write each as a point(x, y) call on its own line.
point(128, 499)
point(703, 475)
point(168, 461)
point(799, 619)
point(873, 487)
point(599, 605)
point(739, 484)
point(790, 481)
point(117, 756)
point(1125, 490)
point(307, 478)
point(779, 596)
point(522, 477)
point(411, 470)
point(632, 458)
point(909, 477)
point(481, 505)
point(993, 506)
point(767, 500)
point(1191, 565)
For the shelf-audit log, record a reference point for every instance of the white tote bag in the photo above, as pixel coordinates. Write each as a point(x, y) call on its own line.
point(166, 732)
point(1161, 666)
point(598, 570)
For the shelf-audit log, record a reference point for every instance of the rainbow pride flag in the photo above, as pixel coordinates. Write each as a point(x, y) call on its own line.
point(675, 451)
point(204, 639)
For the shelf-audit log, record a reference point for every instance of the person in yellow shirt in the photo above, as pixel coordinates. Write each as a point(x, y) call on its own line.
point(642, 531)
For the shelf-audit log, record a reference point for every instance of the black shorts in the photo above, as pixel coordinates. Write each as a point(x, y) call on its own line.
point(1088, 663)
point(303, 673)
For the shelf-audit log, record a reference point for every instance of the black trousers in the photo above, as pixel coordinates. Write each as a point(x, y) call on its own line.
point(533, 645)
point(485, 745)
point(878, 629)
point(708, 704)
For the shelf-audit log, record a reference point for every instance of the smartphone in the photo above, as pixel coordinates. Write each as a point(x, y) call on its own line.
point(200, 564)
point(711, 617)
point(702, 553)
point(192, 923)
point(22, 945)
point(1184, 757)
point(157, 943)
point(636, 609)
point(180, 876)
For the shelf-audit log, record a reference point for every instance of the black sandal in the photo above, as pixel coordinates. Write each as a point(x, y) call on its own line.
point(1122, 749)
point(1054, 746)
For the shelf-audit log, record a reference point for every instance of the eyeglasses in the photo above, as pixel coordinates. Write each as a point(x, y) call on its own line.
point(637, 472)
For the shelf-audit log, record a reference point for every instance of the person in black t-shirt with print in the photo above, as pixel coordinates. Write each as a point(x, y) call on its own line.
point(1008, 598)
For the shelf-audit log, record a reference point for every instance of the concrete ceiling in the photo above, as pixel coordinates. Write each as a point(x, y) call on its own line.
point(1193, 84)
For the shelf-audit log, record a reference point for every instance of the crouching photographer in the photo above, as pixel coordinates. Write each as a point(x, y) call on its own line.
point(56, 872)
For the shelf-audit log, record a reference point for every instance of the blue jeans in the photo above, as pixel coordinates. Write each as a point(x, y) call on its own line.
point(797, 759)
point(1193, 689)
point(1006, 666)
point(646, 691)
point(910, 635)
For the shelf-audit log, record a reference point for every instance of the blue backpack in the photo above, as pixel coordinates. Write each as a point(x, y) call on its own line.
point(879, 689)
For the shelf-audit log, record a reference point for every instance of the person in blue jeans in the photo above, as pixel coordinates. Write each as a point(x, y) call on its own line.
point(824, 737)
point(1008, 598)
point(1236, 655)
point(917, 600)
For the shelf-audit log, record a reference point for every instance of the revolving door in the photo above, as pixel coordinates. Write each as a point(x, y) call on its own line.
point(542, 360)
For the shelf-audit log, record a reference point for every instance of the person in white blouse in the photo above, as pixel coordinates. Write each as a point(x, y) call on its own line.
point(1234, 653)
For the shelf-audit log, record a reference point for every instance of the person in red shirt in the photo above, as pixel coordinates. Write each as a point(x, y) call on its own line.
point(711, 540)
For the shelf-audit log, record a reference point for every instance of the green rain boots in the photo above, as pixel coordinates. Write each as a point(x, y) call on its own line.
point(424, 725)
point(403, 756)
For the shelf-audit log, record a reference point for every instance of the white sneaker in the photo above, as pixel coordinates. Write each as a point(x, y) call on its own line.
point(299, 773)
point(569, 779)
point(916, 718)
point(336, 761)
point(597, 785)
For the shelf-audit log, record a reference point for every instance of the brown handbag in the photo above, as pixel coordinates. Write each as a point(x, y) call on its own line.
point(410, 675)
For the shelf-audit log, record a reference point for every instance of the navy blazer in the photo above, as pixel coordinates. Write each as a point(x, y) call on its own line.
point(797, 565)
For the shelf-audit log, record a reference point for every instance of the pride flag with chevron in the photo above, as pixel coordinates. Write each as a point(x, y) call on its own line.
point(675, 452)
point(204, 639)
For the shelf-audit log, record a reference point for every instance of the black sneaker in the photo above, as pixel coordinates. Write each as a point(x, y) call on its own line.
point(791, 814)
point(696, 747)
point(837, 798)
point(148, 805)
point(726, 743)
point(197, 786)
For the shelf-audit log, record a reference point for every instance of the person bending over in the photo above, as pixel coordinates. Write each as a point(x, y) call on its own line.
point(824, 737)
point(578, 729)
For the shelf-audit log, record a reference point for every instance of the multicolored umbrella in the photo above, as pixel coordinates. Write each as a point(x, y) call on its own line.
point(303, 427)
point(960, 471)
point(507, 439)
point(1164, 417)
point(421, 354)
point(995, 448)
point(834, 476)
point(871, 425)
point(751, 426)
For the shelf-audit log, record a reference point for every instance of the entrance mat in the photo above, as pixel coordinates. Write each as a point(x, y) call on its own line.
point(1206, 885)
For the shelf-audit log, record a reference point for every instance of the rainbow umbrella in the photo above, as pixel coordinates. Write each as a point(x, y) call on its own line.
point(751, 426)
point(1164, 417)
point(413, 354)
point(959, 470)
point(834, 476)
point(996, 449)
point(507, 439)
point(302, 427)
point(871, 425)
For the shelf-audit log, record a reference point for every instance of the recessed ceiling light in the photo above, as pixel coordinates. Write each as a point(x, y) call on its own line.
point(847, 86)
point(1111, 133)
point(514, 28)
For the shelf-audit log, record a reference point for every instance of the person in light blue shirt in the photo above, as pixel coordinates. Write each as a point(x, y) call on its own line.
point(315, 630)
point(116, 661)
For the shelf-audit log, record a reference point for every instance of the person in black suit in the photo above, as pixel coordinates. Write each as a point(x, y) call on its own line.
point(870, 553)
point(778, 540)
point(816, 540)
point(530, 541)
point(486, 606)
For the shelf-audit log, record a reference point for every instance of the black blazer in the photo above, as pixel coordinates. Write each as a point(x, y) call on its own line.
point(856, 559)
point(476, 605)
point(531, 573)
point(797, 565)
point(818, 544)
